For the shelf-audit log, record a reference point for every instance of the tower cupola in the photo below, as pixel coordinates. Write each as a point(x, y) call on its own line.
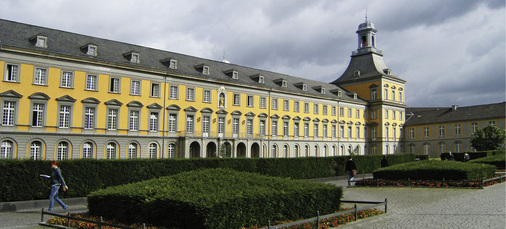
point(366, 38)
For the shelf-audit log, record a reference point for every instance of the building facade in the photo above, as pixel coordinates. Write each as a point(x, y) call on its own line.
point(69, 96)
point(435, 130)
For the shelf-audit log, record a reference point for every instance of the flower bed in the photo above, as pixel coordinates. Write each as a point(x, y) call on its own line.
point(430, 183)
point(324, 223)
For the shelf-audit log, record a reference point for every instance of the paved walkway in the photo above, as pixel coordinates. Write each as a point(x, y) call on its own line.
point(432, 207)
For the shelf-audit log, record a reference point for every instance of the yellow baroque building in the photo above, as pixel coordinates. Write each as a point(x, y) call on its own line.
point(68, 96)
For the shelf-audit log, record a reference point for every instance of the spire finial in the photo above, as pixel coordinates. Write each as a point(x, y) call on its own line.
point(366, 14)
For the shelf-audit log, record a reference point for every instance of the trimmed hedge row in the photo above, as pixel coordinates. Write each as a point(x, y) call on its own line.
point(214, 198)
point(498, 160)
point(20, 178)
point(472, 155)
point(435, 170)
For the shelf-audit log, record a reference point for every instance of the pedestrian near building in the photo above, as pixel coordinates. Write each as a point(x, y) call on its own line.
point(351, 169)
point(467, 157)
point(384, 162)
point(56, 182)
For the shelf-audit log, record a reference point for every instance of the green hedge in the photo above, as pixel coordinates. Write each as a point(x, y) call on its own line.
point(214, 198)
point(435, 170)
point(472, 155)
point(498, 160)
point(20, 178)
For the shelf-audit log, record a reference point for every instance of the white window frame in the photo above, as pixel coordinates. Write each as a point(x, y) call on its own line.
point(67, 79)
point(155, 90)
point(64, 114)
point(190, 94)
point(173, 92)
point(135, 87)
point(91, 82)
point(11, 72)
point(40, 76)
point(9, 113)
point(206, 96)
point(114, 85)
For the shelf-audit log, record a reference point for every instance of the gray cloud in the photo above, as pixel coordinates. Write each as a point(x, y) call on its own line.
point(449, 52)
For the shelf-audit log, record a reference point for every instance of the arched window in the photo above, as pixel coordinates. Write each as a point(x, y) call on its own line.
point(334, 151)
point(88, 150)
point(171, 150)
point(285, 151)
point(6, 150)
point(111, 150)
point(296, 151)
point(153, 150)
point(364, 41)
point(62, 151)
point(306, 151)
point(325, 153)
point(316, 151)
point(274, 151)
point(132, 150)
point(36, 150)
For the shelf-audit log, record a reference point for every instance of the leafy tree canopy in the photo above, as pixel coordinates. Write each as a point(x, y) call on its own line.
point(488, 138)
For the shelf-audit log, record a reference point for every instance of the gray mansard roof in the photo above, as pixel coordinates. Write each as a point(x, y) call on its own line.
point(14, 35)
point(433, 115)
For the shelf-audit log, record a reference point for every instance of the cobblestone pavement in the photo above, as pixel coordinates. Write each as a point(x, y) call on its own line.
point(432, 207)
point(30, 218)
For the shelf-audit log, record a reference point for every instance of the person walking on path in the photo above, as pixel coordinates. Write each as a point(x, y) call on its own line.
point(56, 182)
point(384, 162)
point(351, 168)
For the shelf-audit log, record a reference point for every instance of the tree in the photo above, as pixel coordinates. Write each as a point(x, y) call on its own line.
point(488, 138)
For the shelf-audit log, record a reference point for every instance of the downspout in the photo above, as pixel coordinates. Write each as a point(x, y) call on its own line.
point(269, 134)
point(164, 114)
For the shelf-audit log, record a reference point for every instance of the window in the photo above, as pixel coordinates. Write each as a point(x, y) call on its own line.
point(394, 134)
point(91, 82)
point(285, 129)
point(274, 104)
point(41, 41)
point(171, 150)
point(173, 94)
point(9, 110)
point(153, 150)
point(306, 107)
point(206, 127)
point(114, 85)
point(296, 130)
point(441, 131)
point(111, 151)
point(274, 128)
point(400, 96)
point(190, 94)
point(387, 131)
point(325, 130)
point(92, 50)
point(64, 116)
point(393, 94)
point(173, 64)
point(132, 150)
point(350, 112)
point(263, 102)
point(36, 150)
point(172, 123)
point(374, 94)
point(135, 58)
point(304, 87)
point(221, 125)
point(250, 101)
point(457, 129)
point(394, 115)
point(316, 130)
point(235, 125)
point(155, 90)
point(38, 115)
point(6, 150)
point(235, 75)
point(325, 109)
point(135, 87)
point(88, 150)
point(62, 151)
point(306, 151)
point(350, 133)
point(274, 151)
point(207, 96)
point(374, 132)
point(189, 123)
point(296, 151)
point(358, 113)
point(286, 105)
point(285, 151)
point(334, 129)
point(296, 107)
point(67, 79)
point(412, 133)
point(341, 132)
point(442, 147)
point(237, 99)
point(261, 130)
point(474, 127)
point(426, 132)
point(112, 119)
point(365, 132)
point(249, 126)
point(373, 114)
point(386, 93)
point(386, 113)
point(306, 129)
point(261, 79)
point(205, 70)
point(12, 73)
point(89, 118)
point(341, 111)
point(315, 108)
point(153, 121)
point(333, 110)
point(40, 76)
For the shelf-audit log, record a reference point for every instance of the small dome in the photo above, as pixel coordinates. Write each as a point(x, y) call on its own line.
point(366, 25)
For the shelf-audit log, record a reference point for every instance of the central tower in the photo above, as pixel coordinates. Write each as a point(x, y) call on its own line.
point(369, 77)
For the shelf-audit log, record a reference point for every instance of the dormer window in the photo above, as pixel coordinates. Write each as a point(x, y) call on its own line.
point(356, 73)
point(39, 41)
point(204, 69)
point(258, 78)
point(304, 87)
point(319, 89)
point(387, 71)
point(133, 57)
point(90, 49)
point(173, 64)
point(301, 85)
point(281, 82)
point(232, 73)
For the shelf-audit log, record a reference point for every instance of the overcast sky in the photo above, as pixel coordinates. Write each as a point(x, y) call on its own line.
point(449, 51)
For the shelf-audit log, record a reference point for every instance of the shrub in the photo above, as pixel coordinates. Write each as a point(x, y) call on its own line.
point(498, 160)
point(435, 170)
point(214, 198)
